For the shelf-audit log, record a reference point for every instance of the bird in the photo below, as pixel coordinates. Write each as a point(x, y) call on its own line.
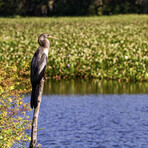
point(38, 66)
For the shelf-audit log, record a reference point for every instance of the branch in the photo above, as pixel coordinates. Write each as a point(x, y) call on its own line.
point(33, 141)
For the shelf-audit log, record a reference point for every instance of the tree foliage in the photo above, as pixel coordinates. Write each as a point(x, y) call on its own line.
point(13, 119)
point(71, 7)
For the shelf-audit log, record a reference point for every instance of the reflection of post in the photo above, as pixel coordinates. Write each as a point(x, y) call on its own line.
point(35, 117)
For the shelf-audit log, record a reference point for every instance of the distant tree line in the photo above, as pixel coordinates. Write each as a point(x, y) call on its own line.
point(71, 7)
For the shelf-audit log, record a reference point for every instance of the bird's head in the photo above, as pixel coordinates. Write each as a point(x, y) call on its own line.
point(43, 41)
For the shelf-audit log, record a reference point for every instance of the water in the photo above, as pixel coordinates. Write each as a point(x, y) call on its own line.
point(93, 114)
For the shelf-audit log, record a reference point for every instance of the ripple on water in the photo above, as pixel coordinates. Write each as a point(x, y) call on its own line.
point(93, 121)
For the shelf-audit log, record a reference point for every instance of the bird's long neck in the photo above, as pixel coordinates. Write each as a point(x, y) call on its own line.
point(45, 50)
point(46, 45)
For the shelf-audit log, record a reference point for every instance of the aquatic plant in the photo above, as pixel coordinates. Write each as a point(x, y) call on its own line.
point(113, 47)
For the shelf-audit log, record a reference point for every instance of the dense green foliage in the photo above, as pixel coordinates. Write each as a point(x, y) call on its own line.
point(98, 7)
point(71, 7)
point(13, 119)
point(101, 47)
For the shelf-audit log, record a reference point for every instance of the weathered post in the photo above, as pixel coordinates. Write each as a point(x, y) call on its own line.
point(33, 141)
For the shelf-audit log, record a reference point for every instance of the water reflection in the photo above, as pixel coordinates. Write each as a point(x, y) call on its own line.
point(94, 86)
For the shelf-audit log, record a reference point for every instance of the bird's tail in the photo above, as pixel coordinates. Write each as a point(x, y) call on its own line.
point(34, 96)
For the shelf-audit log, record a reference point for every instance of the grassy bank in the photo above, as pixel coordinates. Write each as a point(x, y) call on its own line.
point(113, 47)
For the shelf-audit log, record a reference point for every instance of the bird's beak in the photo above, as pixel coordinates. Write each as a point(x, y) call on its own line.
point(52, 37)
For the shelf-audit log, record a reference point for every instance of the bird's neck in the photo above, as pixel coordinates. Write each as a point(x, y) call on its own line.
point(46, 50)
point(46, 45)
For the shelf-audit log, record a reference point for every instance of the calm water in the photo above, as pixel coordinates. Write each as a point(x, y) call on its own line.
point(93, 114)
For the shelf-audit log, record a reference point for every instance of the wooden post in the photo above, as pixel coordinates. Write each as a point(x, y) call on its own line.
point(33, 141)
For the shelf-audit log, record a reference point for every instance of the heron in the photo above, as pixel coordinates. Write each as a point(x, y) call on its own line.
point(38, 66)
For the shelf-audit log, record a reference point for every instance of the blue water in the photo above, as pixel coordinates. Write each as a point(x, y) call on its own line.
point(93, 121)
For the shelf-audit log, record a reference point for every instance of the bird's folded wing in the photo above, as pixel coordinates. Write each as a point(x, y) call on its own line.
point(38, 66)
